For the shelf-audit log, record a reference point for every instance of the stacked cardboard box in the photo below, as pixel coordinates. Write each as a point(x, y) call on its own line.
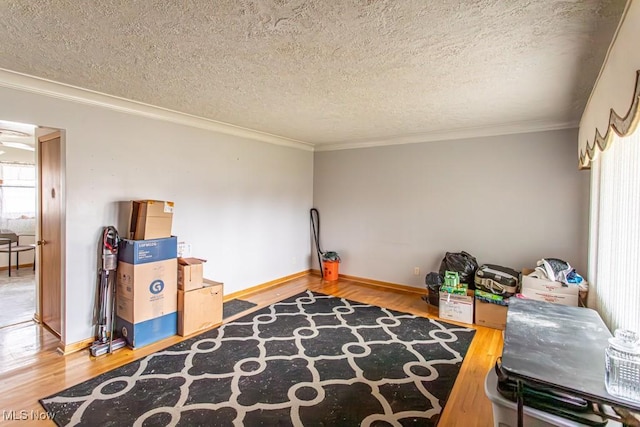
point(147, 290)
point(491, 309)
point(190, 273)
point(199, 299)
point(149, 219)
point(490, 314)
point(457, 307)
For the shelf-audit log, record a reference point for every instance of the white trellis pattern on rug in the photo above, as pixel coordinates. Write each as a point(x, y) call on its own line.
point(311, 359)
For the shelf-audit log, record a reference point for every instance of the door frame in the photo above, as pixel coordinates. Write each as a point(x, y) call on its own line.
point(44, 135)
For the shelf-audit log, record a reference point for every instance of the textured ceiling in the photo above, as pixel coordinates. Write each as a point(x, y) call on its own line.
point(325, 72)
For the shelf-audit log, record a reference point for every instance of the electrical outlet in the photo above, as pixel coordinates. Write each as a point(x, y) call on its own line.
point(184, 249)
point(416, 271)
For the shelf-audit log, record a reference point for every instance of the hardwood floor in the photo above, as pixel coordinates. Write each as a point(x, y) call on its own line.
point(31, 368)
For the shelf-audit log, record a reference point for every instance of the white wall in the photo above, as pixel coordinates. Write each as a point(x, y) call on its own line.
point(243, 205)
point(508, 200)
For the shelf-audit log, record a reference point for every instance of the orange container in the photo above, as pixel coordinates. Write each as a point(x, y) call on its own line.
point(330, 270)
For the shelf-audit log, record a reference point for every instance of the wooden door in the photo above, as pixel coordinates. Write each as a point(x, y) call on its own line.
point(51, 205)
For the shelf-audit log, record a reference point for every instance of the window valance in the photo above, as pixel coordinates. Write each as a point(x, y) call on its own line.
point(614, 102)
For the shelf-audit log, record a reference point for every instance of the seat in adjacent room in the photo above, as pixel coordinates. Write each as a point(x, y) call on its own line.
point(10, 243)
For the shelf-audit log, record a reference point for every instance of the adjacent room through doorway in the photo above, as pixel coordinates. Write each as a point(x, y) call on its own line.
point(17, 223)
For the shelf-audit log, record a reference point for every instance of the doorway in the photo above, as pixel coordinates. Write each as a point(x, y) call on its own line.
point(18, 207)
point(24, 304)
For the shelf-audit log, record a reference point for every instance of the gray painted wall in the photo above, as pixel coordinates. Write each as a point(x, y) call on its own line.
point(242, 205)
point(508, 200)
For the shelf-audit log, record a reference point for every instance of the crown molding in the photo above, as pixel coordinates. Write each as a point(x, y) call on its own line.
point(461, 133)
point(14, 80)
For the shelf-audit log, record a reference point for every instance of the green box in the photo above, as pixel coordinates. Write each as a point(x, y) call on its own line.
point(451, 278)
point(459, 289)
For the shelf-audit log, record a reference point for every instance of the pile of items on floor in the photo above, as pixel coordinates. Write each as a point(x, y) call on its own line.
point(467, 292)
point(159, 293)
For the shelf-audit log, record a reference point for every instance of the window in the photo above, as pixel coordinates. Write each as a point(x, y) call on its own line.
point(615, 233)
point(17, 197)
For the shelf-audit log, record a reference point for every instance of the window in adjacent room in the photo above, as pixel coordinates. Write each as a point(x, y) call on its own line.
point(18, 197)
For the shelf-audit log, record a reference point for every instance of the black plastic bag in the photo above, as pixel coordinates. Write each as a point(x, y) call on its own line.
point(463, 263)
point(433, 282)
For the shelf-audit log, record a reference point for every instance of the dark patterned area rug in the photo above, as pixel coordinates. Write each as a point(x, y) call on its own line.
point(310, 360)
point(235, 306)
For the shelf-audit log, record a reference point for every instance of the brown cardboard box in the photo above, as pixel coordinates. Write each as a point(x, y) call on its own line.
point(491, 315)
point(146, 291)
point(190, 271)
point(199, 309)
point(150, 219)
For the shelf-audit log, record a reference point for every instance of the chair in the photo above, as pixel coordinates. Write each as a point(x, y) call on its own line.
point(10, 243)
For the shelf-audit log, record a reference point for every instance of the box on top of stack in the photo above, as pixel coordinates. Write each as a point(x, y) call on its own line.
point(190, 273)
point(150, 219)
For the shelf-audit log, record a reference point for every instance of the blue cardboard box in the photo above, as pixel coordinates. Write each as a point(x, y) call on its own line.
point(149, 331)
point(147, 279)
point(145, 251)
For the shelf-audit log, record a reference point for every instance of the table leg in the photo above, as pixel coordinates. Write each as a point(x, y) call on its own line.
point(520, 403)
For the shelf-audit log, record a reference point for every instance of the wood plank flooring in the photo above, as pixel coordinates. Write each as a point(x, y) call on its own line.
point(31, 368)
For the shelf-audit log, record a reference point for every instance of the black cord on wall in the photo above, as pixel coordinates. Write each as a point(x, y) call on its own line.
point(315, 225)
